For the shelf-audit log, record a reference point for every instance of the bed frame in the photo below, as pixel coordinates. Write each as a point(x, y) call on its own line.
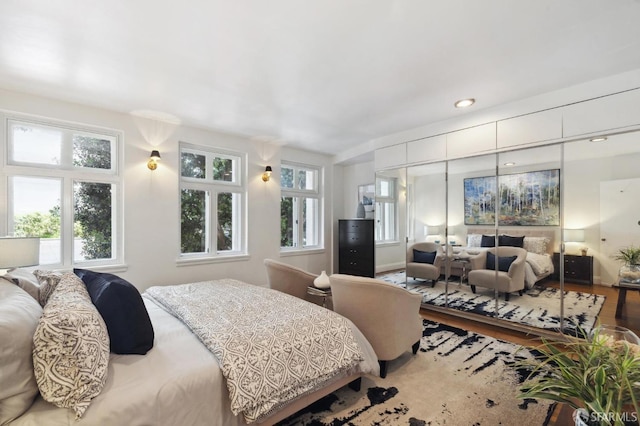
point(353, 381)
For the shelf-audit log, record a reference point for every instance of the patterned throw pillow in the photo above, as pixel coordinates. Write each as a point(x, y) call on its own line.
point(48, 282)
point(71, 347)
point(536, 245)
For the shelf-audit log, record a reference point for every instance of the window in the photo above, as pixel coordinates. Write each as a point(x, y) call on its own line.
point(211, 202)
point(63, 186)
point(385, 210)
point(299, 207)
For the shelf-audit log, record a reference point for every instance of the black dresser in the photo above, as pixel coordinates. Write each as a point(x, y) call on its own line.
point(577, 269)
point(356, 247)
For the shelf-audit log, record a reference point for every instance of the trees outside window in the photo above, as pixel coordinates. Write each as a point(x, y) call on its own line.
point(63, 186)
point(300, 224)
point(211, 201)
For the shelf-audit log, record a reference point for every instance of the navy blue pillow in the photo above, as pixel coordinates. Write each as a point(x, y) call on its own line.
point(121, 306)
point(504, 262)
point(507, 240)
point(488, 241)
point(424, 256)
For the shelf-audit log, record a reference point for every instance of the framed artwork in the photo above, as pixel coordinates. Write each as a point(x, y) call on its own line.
point(525, 199)
point(366, 196)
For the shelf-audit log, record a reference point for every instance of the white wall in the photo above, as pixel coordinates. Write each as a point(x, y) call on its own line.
point(151, 199)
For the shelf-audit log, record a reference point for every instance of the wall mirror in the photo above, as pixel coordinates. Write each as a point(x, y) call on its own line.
point(569, 206)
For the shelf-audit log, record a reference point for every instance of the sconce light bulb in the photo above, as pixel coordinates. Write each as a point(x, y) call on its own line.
point(267, 174)
point(152, 164)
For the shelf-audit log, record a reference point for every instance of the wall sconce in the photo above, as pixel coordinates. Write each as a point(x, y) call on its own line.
point(152, 164)
point(267, 174)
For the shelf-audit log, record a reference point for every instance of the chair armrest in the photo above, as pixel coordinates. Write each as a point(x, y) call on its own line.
point(479, 261)
point(515, 266)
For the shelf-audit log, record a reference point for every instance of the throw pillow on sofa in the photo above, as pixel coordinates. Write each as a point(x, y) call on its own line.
point(123, 310)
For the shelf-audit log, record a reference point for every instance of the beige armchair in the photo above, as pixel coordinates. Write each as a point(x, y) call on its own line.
point(288, 279)
point(507, 282)
point(387, 315)
point(426, 271)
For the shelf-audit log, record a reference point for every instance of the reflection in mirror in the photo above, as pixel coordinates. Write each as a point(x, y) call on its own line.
point(471, 214)
point(390, 223)
point(425, 256)
point(529, 205)
point(602, 189)
point(602, 198)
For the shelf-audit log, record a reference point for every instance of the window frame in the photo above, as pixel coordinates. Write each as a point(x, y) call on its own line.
point(299, 196)
point(67, 174)
point(212, 188)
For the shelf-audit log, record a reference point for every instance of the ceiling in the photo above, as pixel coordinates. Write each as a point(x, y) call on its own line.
point(318, 75)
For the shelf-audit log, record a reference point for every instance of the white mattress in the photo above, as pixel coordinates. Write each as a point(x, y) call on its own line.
point(178, 382)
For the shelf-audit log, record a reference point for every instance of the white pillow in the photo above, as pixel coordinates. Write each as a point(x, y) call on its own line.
point(19, 314)
point(71, 347)
point(474, 240)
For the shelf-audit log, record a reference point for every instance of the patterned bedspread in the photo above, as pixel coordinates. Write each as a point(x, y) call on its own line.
point(272, 347)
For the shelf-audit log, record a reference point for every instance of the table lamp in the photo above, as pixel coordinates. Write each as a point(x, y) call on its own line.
point(16, 252)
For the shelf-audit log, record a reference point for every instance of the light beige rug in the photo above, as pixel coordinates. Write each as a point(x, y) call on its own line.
point(457, 378)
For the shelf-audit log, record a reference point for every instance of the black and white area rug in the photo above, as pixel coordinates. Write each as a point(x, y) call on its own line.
point(538, 307)
point(456, 378)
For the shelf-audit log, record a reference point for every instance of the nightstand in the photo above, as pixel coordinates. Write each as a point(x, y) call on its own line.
point(577, 269)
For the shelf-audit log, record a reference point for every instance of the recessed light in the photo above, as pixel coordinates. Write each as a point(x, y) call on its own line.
point(463, 103)
point(598, 139)
point(510, 163)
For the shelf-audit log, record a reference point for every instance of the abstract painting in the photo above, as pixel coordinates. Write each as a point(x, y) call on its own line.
point(525, 199)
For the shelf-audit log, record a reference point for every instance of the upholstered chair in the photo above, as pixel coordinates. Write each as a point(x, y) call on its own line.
point(421, 269)
point(288, 279)
point(387, 315)
point(506, 280)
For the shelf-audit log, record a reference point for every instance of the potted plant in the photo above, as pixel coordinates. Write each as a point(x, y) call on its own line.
point(630, 270)
point(599, 376)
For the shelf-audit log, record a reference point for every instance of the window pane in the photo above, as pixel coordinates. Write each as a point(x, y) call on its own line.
point(91, 152)
point(192, 165)
point(225, 221)
point(307, 179)
point(286, 222)
point(92, 221)
point(36, 213)
point(286, 177)
point(223, 169)
point(194, 221)
point(35, 144)
point(302, 179)
point(310, 222)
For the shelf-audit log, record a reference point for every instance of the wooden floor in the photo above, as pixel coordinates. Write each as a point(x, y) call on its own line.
point(630, 319)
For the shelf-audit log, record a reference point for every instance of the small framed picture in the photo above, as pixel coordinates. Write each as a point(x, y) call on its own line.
point(366, 197)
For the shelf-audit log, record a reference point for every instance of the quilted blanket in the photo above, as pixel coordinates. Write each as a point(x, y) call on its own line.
point(271, 347)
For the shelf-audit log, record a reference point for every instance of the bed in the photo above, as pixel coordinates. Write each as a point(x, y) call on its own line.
point(538, 243)
point(180, 381)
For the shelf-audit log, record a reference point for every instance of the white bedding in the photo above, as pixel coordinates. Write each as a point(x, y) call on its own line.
point(178, 382)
